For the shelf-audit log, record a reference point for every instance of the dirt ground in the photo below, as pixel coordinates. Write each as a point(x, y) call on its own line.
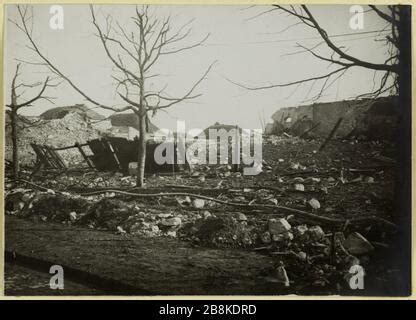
point(291, 224)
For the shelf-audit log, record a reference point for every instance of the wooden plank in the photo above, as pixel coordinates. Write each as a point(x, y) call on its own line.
point(58, 161)
point(110, 146)
point(51, 158)
point(309, 130)
point(331, 134)
point(70, 147)
point(41, 155)
point(86, 158)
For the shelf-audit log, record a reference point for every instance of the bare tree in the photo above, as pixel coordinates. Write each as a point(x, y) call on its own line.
point(134, 53)
point(17, 102)
point(338, 55)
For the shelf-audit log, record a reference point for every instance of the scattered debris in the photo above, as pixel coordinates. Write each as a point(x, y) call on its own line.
point(198, 203)
point(172, 222)
point(216, 207)
point(299, 187)
point(356, 244)
point(73, 216)
point(369, 180)
point(314, 204)
point(316, 233)
point(241, 217)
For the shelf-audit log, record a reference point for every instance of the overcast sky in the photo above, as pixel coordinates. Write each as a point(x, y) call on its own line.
point(250, 50)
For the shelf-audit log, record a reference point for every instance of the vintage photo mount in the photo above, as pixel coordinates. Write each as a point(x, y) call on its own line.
point(311, 198)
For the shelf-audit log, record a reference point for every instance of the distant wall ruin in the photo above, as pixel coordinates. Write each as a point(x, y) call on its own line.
point(375, 118)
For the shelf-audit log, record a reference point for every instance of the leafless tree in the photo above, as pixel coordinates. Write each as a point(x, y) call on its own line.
point(338, 55)
point(17, 101)
point(134, 53)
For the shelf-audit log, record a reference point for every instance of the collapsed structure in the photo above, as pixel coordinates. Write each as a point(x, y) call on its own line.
point(103, 154)
point(374, 118)
point(75, 136)
point(55, 132)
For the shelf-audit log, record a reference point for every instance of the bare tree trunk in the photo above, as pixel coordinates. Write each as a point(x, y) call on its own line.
point(142, 151)
point(15, 151)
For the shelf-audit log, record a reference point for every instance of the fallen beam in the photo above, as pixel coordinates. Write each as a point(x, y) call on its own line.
point(331, 134)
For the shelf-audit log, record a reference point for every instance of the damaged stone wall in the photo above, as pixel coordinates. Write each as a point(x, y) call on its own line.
point(375, 118)
point(57, 133)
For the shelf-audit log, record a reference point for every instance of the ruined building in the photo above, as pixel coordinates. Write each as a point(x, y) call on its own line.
point(374, 118)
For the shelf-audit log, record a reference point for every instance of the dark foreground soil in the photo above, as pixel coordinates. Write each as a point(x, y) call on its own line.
point(139, 265)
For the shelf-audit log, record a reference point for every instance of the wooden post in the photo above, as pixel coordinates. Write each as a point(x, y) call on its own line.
point(41, 155)
point(331, 134)
point(236, 156)
point(59, 162)
point(309, 130)
point(51, 159)
point(110, 146)
point(86, 158)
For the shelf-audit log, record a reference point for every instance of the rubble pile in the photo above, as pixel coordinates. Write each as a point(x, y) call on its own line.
point(304, 248)
point(57, 133)
point(221, 231)
point(351, 179)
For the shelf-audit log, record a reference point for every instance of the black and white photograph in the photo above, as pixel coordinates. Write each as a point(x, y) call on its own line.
point(207, 150)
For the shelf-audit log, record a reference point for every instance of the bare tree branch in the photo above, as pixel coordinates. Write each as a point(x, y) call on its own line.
point(384, 15)
point(14, 104)
point(13, 108)
point(28, 33)
point(289, 83)
point(37, 97)
point(339, 55)
point(187, 96)
point(344, 55)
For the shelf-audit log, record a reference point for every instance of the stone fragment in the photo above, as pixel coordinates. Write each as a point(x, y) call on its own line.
point(316, 233)
point(206, 214)
point(299, 187)
point(314, 204)
point(198, 203)
point(73, 216)
point(278, 226)
point(356, 244)
point(171, 233)
point(265, 237)
point(172, 222)
point(240, 216)
point(301, 229)
point(369, 180)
